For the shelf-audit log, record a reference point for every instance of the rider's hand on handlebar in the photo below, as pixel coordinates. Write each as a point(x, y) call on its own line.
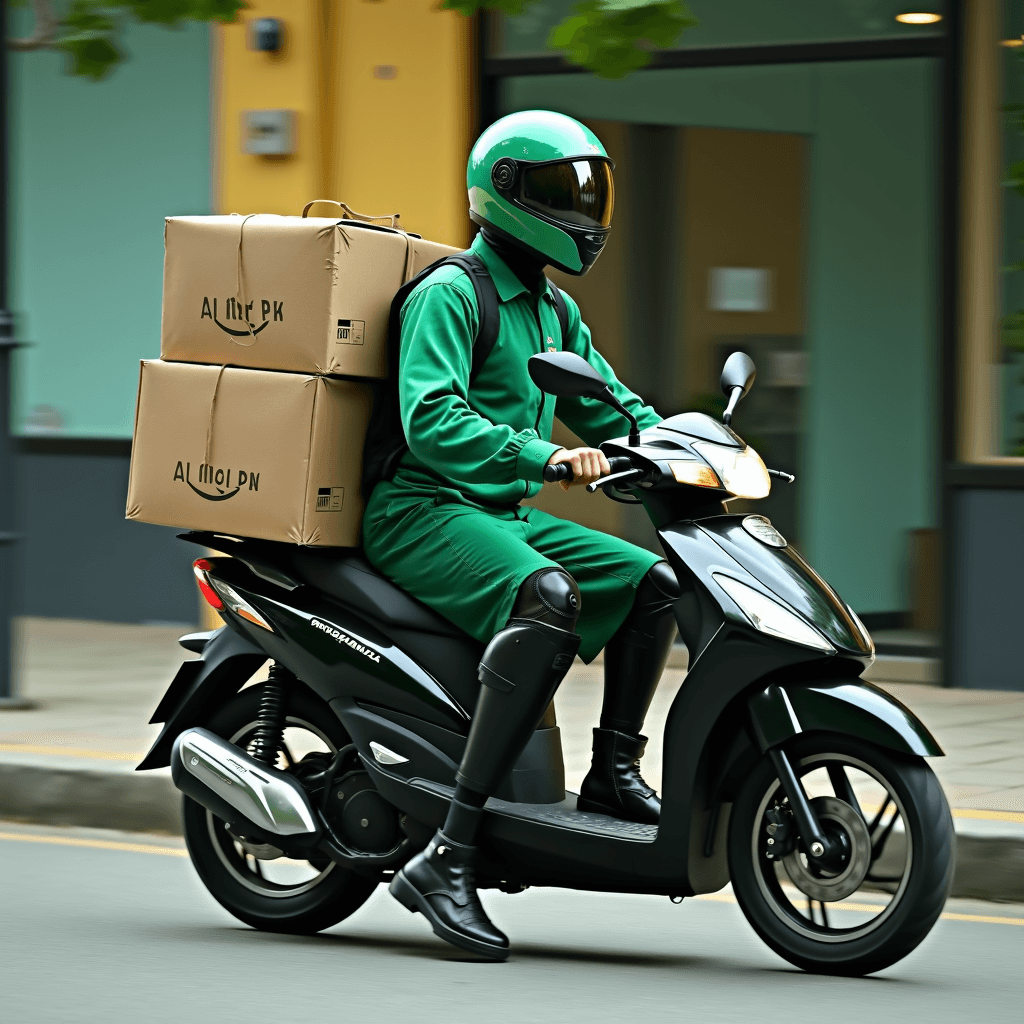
point(588, 464)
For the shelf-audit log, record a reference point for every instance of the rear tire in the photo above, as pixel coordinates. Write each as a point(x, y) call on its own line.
point(310, 905)
point(916, 893)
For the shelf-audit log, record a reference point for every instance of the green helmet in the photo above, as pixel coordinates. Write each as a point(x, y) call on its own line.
point(543, 181)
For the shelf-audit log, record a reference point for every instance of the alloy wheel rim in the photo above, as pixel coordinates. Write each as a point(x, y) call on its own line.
point(767, 874)
point(232, 853)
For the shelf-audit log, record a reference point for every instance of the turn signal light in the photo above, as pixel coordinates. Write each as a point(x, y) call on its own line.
point(697, 474)
point(201, 567)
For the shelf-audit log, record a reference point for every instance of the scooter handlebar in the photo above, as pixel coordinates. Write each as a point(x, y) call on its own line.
point(563, 470)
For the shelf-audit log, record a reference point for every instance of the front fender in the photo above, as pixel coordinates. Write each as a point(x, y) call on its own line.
point(228, 661)
point(851, 707)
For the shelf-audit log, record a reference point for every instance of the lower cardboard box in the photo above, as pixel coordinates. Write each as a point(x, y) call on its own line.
point(250, 453)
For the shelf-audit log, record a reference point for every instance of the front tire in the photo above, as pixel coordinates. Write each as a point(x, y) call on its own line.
point(305, 897)
point(894, 882)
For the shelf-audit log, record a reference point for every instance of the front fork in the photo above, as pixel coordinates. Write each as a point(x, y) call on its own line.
point(822, 850)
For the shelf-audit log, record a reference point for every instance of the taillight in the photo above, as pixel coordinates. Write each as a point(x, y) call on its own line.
point(201, 567)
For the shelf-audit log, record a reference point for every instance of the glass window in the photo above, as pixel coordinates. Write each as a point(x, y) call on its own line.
point(741, 23)
point(790, 212)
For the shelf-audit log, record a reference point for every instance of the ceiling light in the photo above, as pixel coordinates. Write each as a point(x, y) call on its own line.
point(919, 18)
point(1012, 42)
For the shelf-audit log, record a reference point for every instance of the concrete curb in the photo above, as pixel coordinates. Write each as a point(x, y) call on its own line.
point(92, 799)
point(987, 867)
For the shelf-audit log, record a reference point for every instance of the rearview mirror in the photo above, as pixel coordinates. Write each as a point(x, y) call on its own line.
point(737, 377)
point(565, 375)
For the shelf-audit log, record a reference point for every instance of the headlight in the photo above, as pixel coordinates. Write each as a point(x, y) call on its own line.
point(770, 617)
point(741, 471)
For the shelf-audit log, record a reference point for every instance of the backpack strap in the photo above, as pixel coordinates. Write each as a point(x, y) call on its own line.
point(487, 307)
point(385, 439)
point(561, 310)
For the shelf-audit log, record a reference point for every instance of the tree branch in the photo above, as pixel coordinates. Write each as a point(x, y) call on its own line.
point(45, 33)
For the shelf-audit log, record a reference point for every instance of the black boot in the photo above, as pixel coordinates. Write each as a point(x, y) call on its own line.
point(520, 671)
point(634, 660)
point(614, 785)
point(441, 884)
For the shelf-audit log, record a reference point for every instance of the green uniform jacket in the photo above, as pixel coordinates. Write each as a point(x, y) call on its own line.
point(492, 442)
point(483, 449)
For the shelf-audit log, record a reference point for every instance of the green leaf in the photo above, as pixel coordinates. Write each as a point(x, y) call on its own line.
point(89, 31)
point(92, 58)
point(614, 37)
point(513, 8)
point(1013, 331)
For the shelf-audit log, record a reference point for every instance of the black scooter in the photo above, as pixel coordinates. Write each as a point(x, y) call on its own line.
point(784, 771)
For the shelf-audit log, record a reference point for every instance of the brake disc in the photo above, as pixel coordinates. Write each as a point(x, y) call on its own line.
point(820, 884)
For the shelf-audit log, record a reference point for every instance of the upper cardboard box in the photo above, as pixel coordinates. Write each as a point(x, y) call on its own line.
point(310, 295)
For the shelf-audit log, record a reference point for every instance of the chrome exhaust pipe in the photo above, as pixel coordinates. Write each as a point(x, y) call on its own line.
point(255, 799)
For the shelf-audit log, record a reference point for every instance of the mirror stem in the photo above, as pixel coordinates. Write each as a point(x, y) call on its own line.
point(734, 397)
point(609, 398)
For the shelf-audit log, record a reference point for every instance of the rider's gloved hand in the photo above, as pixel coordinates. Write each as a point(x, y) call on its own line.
point(588, 465)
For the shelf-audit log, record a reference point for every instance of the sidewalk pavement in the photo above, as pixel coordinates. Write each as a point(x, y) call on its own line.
point(71, 761)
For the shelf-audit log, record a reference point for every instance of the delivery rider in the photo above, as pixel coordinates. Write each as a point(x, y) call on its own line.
point(449, 527)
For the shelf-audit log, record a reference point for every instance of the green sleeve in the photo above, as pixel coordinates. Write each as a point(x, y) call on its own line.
point(592, 420)
point(444, 432)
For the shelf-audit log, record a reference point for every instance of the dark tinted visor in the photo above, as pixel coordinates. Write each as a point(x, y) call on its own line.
point(577, 192)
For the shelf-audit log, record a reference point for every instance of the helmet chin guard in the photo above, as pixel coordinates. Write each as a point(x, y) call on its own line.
point(543, 182)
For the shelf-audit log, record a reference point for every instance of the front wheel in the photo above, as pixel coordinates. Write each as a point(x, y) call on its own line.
point(873, 907)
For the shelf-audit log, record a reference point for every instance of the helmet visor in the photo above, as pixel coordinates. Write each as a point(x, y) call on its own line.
point(577, 192)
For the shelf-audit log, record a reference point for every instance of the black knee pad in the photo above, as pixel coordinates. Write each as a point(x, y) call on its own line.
point(663, 579)
point(551, 596)
point(655, 595)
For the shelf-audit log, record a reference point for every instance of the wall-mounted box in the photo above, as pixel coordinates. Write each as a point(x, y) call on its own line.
point(268, 132)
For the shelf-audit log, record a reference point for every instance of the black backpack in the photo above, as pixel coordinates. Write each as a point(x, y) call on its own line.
point(385, 437)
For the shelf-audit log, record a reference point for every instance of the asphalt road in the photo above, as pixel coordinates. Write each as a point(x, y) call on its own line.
point(94, 930)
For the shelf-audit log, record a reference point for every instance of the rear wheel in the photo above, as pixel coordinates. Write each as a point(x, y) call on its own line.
point(870, 908)
point(258, 884)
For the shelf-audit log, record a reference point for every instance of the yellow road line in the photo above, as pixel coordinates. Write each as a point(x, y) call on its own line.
point(99, 755)
point(97, 844)
point(714, 897)
point(982, 815)
point(871, 908)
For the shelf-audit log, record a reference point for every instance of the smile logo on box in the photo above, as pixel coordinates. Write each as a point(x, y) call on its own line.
point(219, 480)
point(234, 310)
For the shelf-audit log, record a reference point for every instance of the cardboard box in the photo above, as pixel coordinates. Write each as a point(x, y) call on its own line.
point(310, 295)
point(252, 453)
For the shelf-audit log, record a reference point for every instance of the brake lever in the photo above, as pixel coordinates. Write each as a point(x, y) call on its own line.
point(788, 477)
point(591, 487)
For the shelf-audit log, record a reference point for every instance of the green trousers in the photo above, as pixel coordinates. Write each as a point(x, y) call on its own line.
point(468, 564)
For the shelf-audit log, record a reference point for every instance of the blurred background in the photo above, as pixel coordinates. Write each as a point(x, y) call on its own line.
point(819, 183)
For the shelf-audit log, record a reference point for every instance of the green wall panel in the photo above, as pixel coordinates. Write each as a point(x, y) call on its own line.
point(870, 411)
point(871, 419)
point(95, 169)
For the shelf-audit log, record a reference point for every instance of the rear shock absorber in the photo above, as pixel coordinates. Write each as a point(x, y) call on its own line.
point(269, 735)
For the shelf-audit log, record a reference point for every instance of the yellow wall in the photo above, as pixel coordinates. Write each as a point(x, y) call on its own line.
point(383, 94)
point(245, 79)
point(401, 102)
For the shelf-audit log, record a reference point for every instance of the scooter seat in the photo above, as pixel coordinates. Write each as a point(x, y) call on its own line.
point(347, 576)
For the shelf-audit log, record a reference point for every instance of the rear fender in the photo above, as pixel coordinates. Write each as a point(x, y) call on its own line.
point(228, 661)
point(850, 707)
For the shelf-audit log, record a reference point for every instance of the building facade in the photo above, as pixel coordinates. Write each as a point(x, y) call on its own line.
point(819, 184)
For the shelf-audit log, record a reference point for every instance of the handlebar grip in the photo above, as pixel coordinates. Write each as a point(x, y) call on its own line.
point(560, 471)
